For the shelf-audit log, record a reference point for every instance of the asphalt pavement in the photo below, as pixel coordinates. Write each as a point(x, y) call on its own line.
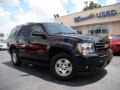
point(27, 77)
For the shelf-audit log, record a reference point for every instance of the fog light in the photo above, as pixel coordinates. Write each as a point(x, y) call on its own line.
point(86, 67)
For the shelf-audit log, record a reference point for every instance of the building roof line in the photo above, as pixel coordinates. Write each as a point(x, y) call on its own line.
point(88, 10)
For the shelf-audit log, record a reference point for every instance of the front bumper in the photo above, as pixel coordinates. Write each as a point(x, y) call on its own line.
point(116, 49)
point(91, 62)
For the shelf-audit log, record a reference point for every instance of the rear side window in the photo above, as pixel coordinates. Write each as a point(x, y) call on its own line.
point(24, 32)
point(13, 32)
point(116, 37)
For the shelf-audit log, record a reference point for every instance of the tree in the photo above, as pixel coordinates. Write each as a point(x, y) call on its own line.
point(91, 5)
point(2, 35)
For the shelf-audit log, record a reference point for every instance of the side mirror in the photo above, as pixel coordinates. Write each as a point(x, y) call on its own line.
point(39, 34)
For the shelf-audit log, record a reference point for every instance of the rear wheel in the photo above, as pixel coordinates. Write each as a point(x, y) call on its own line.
point(62, 67)
point(15, 58)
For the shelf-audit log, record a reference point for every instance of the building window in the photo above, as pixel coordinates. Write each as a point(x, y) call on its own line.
point(91, 30)
point(105, 29)
point(98, 29)
point(79, 30)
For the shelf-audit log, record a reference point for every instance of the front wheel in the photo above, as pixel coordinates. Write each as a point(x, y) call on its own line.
point(62, 67)
point(15, 59)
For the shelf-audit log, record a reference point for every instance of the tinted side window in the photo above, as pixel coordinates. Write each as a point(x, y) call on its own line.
point(116, 37)
point(36, 28)
point(24, 32)
point(13, 32)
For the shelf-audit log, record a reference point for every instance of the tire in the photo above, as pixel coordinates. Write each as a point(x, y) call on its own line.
point(15, 58)
point(62, 67)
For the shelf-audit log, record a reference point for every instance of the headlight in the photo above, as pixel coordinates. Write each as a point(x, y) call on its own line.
point(85, 48)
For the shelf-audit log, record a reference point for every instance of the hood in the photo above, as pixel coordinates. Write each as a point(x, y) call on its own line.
point(87, 38)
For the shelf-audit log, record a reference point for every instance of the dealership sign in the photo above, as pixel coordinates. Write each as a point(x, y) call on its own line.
point(97, 15)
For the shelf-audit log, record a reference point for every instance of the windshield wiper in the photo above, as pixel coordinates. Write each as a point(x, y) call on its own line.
point(71, 33)
point(64, 33)
point(59, 33)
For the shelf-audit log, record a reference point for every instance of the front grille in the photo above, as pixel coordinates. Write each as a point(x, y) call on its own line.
point(101, 48)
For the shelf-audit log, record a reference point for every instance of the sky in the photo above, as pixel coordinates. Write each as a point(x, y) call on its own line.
point(16, 12)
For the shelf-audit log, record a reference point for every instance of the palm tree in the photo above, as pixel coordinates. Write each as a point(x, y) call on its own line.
point(1, 35)
point(92, 5)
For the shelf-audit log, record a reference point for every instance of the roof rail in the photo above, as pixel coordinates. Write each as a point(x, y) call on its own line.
point(30, 23)
point(19, 25)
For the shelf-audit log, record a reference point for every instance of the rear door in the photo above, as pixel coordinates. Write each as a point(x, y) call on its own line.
point(22, 41)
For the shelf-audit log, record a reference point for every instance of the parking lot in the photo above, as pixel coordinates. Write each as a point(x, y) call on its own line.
point(29, 77)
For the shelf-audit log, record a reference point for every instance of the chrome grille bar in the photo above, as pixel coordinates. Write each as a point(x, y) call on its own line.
point(100, 48)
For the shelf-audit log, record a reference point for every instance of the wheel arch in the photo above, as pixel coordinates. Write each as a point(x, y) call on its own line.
point(11, 48)
point(56, 49)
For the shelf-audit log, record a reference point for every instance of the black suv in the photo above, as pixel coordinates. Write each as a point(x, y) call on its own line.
point(58, 47)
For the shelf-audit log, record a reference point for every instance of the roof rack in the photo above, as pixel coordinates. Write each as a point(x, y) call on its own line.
point(19, 25)
point(30, 23)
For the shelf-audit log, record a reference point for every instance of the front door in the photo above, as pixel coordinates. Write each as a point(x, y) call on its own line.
point(37, 48)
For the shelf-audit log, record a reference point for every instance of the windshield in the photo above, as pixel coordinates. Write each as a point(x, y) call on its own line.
point(116, 37)
point(53, 28)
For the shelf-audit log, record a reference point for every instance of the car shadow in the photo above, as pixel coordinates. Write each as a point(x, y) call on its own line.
point(3, 49)
point(43, 73)
point(116, 54)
